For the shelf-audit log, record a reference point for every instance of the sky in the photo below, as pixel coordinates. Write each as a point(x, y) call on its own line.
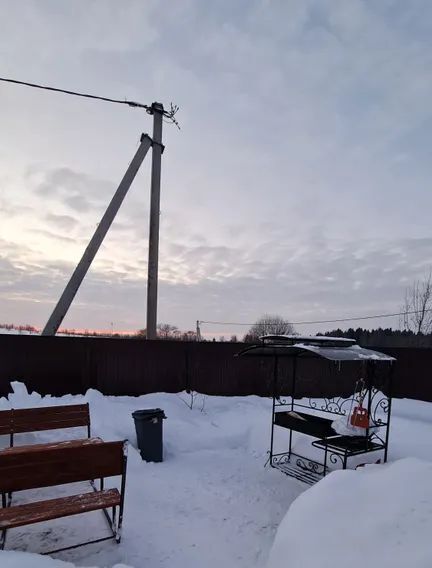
point(298, 185)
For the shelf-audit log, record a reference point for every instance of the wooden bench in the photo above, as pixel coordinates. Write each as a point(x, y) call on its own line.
point(25, 420)
point(51, 466)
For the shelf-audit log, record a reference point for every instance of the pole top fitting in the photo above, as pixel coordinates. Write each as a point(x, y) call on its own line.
point(157, 107)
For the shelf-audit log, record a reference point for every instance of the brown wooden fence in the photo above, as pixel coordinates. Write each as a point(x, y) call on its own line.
point(63, 365)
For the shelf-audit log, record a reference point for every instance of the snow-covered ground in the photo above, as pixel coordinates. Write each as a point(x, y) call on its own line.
point(212, 503)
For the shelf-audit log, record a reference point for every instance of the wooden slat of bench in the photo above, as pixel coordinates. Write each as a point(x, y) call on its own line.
point(50, 418)
point(30, 513)
point(42, 468)
point(55, 409)
point(51, 446)
point(5, 422)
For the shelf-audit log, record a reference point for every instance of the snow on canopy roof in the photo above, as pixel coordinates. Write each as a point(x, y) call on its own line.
point(308, 339)
point(331, 348)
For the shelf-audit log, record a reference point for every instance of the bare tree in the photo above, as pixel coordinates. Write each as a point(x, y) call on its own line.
point(193, 397)
point(269, 325)
point(167, 331)
point(417, 308)
point(188, 336)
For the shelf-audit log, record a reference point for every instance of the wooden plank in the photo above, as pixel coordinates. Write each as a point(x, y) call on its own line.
point(59, 408)
point(33, 426)
point(44, 468)
point(50, 417)
point(30, 513)
point(5, 422)
point(51, 446)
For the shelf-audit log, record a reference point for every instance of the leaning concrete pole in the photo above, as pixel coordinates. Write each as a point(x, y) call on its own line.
point(153, 256)
point(80, 271)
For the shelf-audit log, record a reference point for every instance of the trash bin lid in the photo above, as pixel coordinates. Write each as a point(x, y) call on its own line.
point(148, 414)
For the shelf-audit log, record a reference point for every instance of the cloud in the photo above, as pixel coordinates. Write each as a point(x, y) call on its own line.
point(299, 182)
point(337, 279)
point(52, 235)
point(62, 221)
point(67, 183)
point(78, 203)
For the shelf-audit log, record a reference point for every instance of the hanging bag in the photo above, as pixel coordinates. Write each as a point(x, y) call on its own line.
point(357, 422)
point(359, 417)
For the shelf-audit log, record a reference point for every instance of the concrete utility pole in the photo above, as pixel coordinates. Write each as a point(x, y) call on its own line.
point(153, 256)
point(80, 271)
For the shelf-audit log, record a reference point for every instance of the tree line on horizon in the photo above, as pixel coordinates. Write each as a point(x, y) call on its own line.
point(266, 325)
point(383, 337)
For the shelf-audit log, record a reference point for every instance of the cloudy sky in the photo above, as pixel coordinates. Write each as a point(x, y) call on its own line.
point(299, 183)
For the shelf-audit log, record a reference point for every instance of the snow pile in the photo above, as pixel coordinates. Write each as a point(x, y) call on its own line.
point(343, 427)
point(377, 515)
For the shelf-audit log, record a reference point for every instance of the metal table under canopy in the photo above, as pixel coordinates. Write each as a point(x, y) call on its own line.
point(315, 417)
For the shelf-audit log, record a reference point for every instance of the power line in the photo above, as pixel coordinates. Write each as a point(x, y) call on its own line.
point(324, 321)
point(170, 114)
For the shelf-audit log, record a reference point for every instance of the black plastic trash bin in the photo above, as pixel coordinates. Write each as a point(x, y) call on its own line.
point(148, 426)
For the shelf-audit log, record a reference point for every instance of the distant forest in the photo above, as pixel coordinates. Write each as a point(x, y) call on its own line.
point(383, 337)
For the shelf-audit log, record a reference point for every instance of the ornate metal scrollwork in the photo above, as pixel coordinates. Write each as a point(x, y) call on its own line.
point(336, 458)
point(282, 459)
point(378, 406)
point(310, 465)
point(336, 405)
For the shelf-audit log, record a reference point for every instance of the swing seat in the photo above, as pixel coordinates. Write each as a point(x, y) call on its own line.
point(309, 424)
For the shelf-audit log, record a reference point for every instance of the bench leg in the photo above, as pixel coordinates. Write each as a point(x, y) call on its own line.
point(6, 499)
point(119, 524)
point(2, 539)
point(114, 523)
point(122, 494)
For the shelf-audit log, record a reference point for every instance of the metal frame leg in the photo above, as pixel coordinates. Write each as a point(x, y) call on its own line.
point(122, 494)
point(2, 539)
point(275, 379)
point(389, 408)
point(3, 532)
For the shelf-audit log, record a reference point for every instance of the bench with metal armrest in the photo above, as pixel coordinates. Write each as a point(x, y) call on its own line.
point(58, 465)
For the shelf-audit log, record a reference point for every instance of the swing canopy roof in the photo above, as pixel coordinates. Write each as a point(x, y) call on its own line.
point(331, 348)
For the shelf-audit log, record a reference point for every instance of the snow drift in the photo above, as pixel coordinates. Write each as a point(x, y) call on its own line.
point(379, 515)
